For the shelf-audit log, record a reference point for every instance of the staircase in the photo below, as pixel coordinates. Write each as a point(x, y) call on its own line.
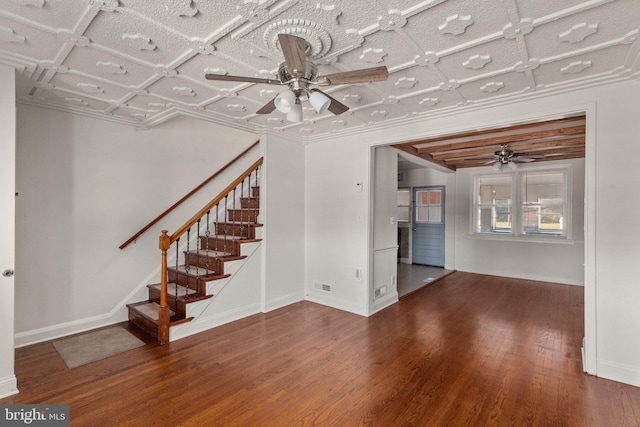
point(227, 232)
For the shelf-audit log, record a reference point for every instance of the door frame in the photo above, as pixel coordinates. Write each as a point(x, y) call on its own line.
point(413, 216)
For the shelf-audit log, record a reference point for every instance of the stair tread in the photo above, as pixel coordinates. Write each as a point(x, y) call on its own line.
point(192, 272)
point(222, 256)
point(239, 223)
point(148, 309)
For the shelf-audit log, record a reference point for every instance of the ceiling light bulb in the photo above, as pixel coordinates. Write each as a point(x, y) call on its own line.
point(319, 101)
point(512, 166)
point(295, 114)
point(285, 101)
point(497, 166)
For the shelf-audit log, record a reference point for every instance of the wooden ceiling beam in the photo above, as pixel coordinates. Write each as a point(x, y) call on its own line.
point(568, 131)
point(411, 150)
point(495, 130)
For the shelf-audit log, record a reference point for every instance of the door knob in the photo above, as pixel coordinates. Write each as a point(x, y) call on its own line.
point(7, 273)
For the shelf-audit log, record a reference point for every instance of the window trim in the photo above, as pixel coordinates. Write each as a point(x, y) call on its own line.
point(517, 232)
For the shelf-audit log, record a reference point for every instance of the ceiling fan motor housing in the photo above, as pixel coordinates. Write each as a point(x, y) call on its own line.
point(298, 84)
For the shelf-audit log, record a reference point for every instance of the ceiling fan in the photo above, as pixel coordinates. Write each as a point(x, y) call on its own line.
point(299, 73)
point(507, 157)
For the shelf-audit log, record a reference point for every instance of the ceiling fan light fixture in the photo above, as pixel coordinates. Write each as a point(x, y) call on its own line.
point(319, 101)
point(512, 165)
point(285, 101)
point(497, 166)
point(295, 112)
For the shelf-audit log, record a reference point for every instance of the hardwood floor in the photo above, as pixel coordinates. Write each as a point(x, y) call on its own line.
point(469, 350)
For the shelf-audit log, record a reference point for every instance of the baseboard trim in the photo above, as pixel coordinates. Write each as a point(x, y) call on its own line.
point(205, 323)
point(283, 301)
point(23, 339)
point(334, 303)
point(618, 372)
point(8, 386)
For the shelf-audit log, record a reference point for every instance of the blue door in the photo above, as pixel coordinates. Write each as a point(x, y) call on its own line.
point(428, 226)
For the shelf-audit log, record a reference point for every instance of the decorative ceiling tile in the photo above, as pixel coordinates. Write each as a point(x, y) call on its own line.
point(576, 67)
point(390, 100)
point(352, 98)
point(77, 101)
point(252, 11)
point(267, 93)
point(67, 36)
point(228, 93)
point(90, 88)
point(184, 91)
point(157, 104)
point(378, 114)
point(429, 102)
point(578, 32)
point(216, 70)
point(330, 10)
point(450, 85)
point(202, 47)
point(139, 41)
point(476, 62)
point(107, 5)
point(522, 66)
point(182, 8)
point(165, 71)
point(316, 36)
point(111, 67)
point(511, 31)
point(274, 120)
point(455, 24)
point(236, 108)
point(492, 87)
point(306, 131)
point(9, 35)
point(630, 37)
point(60, 69)
point(428, 58)
point(338, 123)
point(373, 55)
point(393, 20)
point(35, 3)
point(406, 82)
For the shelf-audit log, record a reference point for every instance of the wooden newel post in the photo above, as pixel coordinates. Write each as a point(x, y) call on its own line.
point(163, 315)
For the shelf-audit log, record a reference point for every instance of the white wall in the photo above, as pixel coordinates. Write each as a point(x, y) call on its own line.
point(336, 242)
point(86, 186)
point(337, 223)
point(384, 284)
point(8, 383)
point(284, 217)
point(551, 262)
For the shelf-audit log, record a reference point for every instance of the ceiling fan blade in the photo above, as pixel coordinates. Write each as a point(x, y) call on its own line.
point(367, 75)
point(225, 78)
point(524, 159)
point(294, 50)
point(268, 107)
point(489, 162)
point(336, 107)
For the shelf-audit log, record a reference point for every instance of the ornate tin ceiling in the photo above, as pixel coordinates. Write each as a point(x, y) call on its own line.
point(141, 62)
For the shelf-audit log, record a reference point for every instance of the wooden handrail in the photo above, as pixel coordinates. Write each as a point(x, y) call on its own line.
point(191, 193)
point(175, 236)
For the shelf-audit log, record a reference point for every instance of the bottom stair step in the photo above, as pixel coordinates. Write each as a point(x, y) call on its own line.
point(149, 310)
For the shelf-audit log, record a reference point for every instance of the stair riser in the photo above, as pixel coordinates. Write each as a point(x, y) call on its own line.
point(241, 229)
point(149, 327)
point(215, 266)
point(176, 306)
point(242, 215)
point(190, 282)
point(250, 203)
point(219, 243)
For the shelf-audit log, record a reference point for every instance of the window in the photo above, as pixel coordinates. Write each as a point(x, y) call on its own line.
point(429, 206)
point(543, 203)
point(493, 204)
point(404, 205)
point(523, 203)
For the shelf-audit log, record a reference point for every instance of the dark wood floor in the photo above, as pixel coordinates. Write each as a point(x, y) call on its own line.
point(469, 350)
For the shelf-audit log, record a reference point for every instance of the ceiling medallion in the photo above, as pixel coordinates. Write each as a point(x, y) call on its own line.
point(318, 39)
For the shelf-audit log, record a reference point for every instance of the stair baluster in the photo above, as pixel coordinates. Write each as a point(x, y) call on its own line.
point(207, 235)
point(177, 265)
point(197, 258)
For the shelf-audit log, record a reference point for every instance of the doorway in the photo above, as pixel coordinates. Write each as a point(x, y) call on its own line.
point(428, 226)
